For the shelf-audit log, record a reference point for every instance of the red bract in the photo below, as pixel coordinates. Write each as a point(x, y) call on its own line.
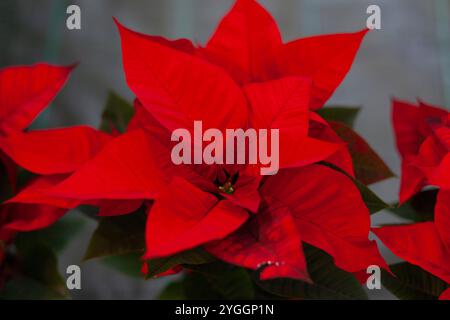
point(423, 140)
point(424, 244)
point(445, 295)
point(25, 92)
point(244, 78)
point(300, 206)
point(248, 44)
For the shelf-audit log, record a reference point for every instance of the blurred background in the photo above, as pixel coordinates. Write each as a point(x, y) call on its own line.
point(408, 59)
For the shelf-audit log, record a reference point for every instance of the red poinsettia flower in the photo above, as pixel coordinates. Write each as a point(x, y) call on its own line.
point(423, 140)
point(244, 78)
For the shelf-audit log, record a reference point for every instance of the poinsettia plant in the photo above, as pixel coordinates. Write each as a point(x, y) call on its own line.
point(224, 230)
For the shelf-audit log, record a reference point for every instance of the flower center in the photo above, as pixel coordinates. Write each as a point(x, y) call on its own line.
point(230, 181)
point(227, 188)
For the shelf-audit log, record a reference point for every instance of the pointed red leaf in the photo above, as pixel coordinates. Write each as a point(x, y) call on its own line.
point(440, 174)
point(135, 165)
point(325, 59)
point(284, 104)
point(36, 193)
point(406, 120)
point(302, 152)
point(246, 43)
point(418, 244)
point(31, 209)
point(110, 208)
point(320, 129)
point(442, 217)
point(280, 104)
point(178, 88)
point(184, 217)
point(54, 151)
point(29, 217)
point(270, 241)
point(27, 90)
point(329, 213)
point(412, 181)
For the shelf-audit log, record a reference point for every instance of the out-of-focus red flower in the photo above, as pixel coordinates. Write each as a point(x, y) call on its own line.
point(244, 78)
point(423, 139)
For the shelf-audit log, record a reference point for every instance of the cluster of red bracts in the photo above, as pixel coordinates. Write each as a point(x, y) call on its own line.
point(245, 77)
point(423, 140)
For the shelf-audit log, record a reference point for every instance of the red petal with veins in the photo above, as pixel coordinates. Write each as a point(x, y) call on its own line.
point(412, 181)
point(25, 91)
point(178, 88)
point(440, 176)
point(406, 120)
point(246, 43)
point(329, 214)
point(322, 130)
point(419, 244)
point(269, 241)
point(29, 217)
point(298, 153)
point(442, 217)
point(184, 217)
point(280, 104)
point(54, 151)
point(284, 104)
point(135, 165)
point(325, 59)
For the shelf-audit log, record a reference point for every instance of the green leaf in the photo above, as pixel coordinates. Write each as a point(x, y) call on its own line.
point(128, 264)
point(116, 115)
point(228, 281)
point(197, 287)
point(173, 291)
point(372, 201)
point(41, 264)
point(329, 282)
point(369, 167)
point(37, 275)
point(412, 283)
point(118, 235)
point(420, 208)
point(25, 288)
point(342, 114)
point(56, 237)
point(191, 257)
